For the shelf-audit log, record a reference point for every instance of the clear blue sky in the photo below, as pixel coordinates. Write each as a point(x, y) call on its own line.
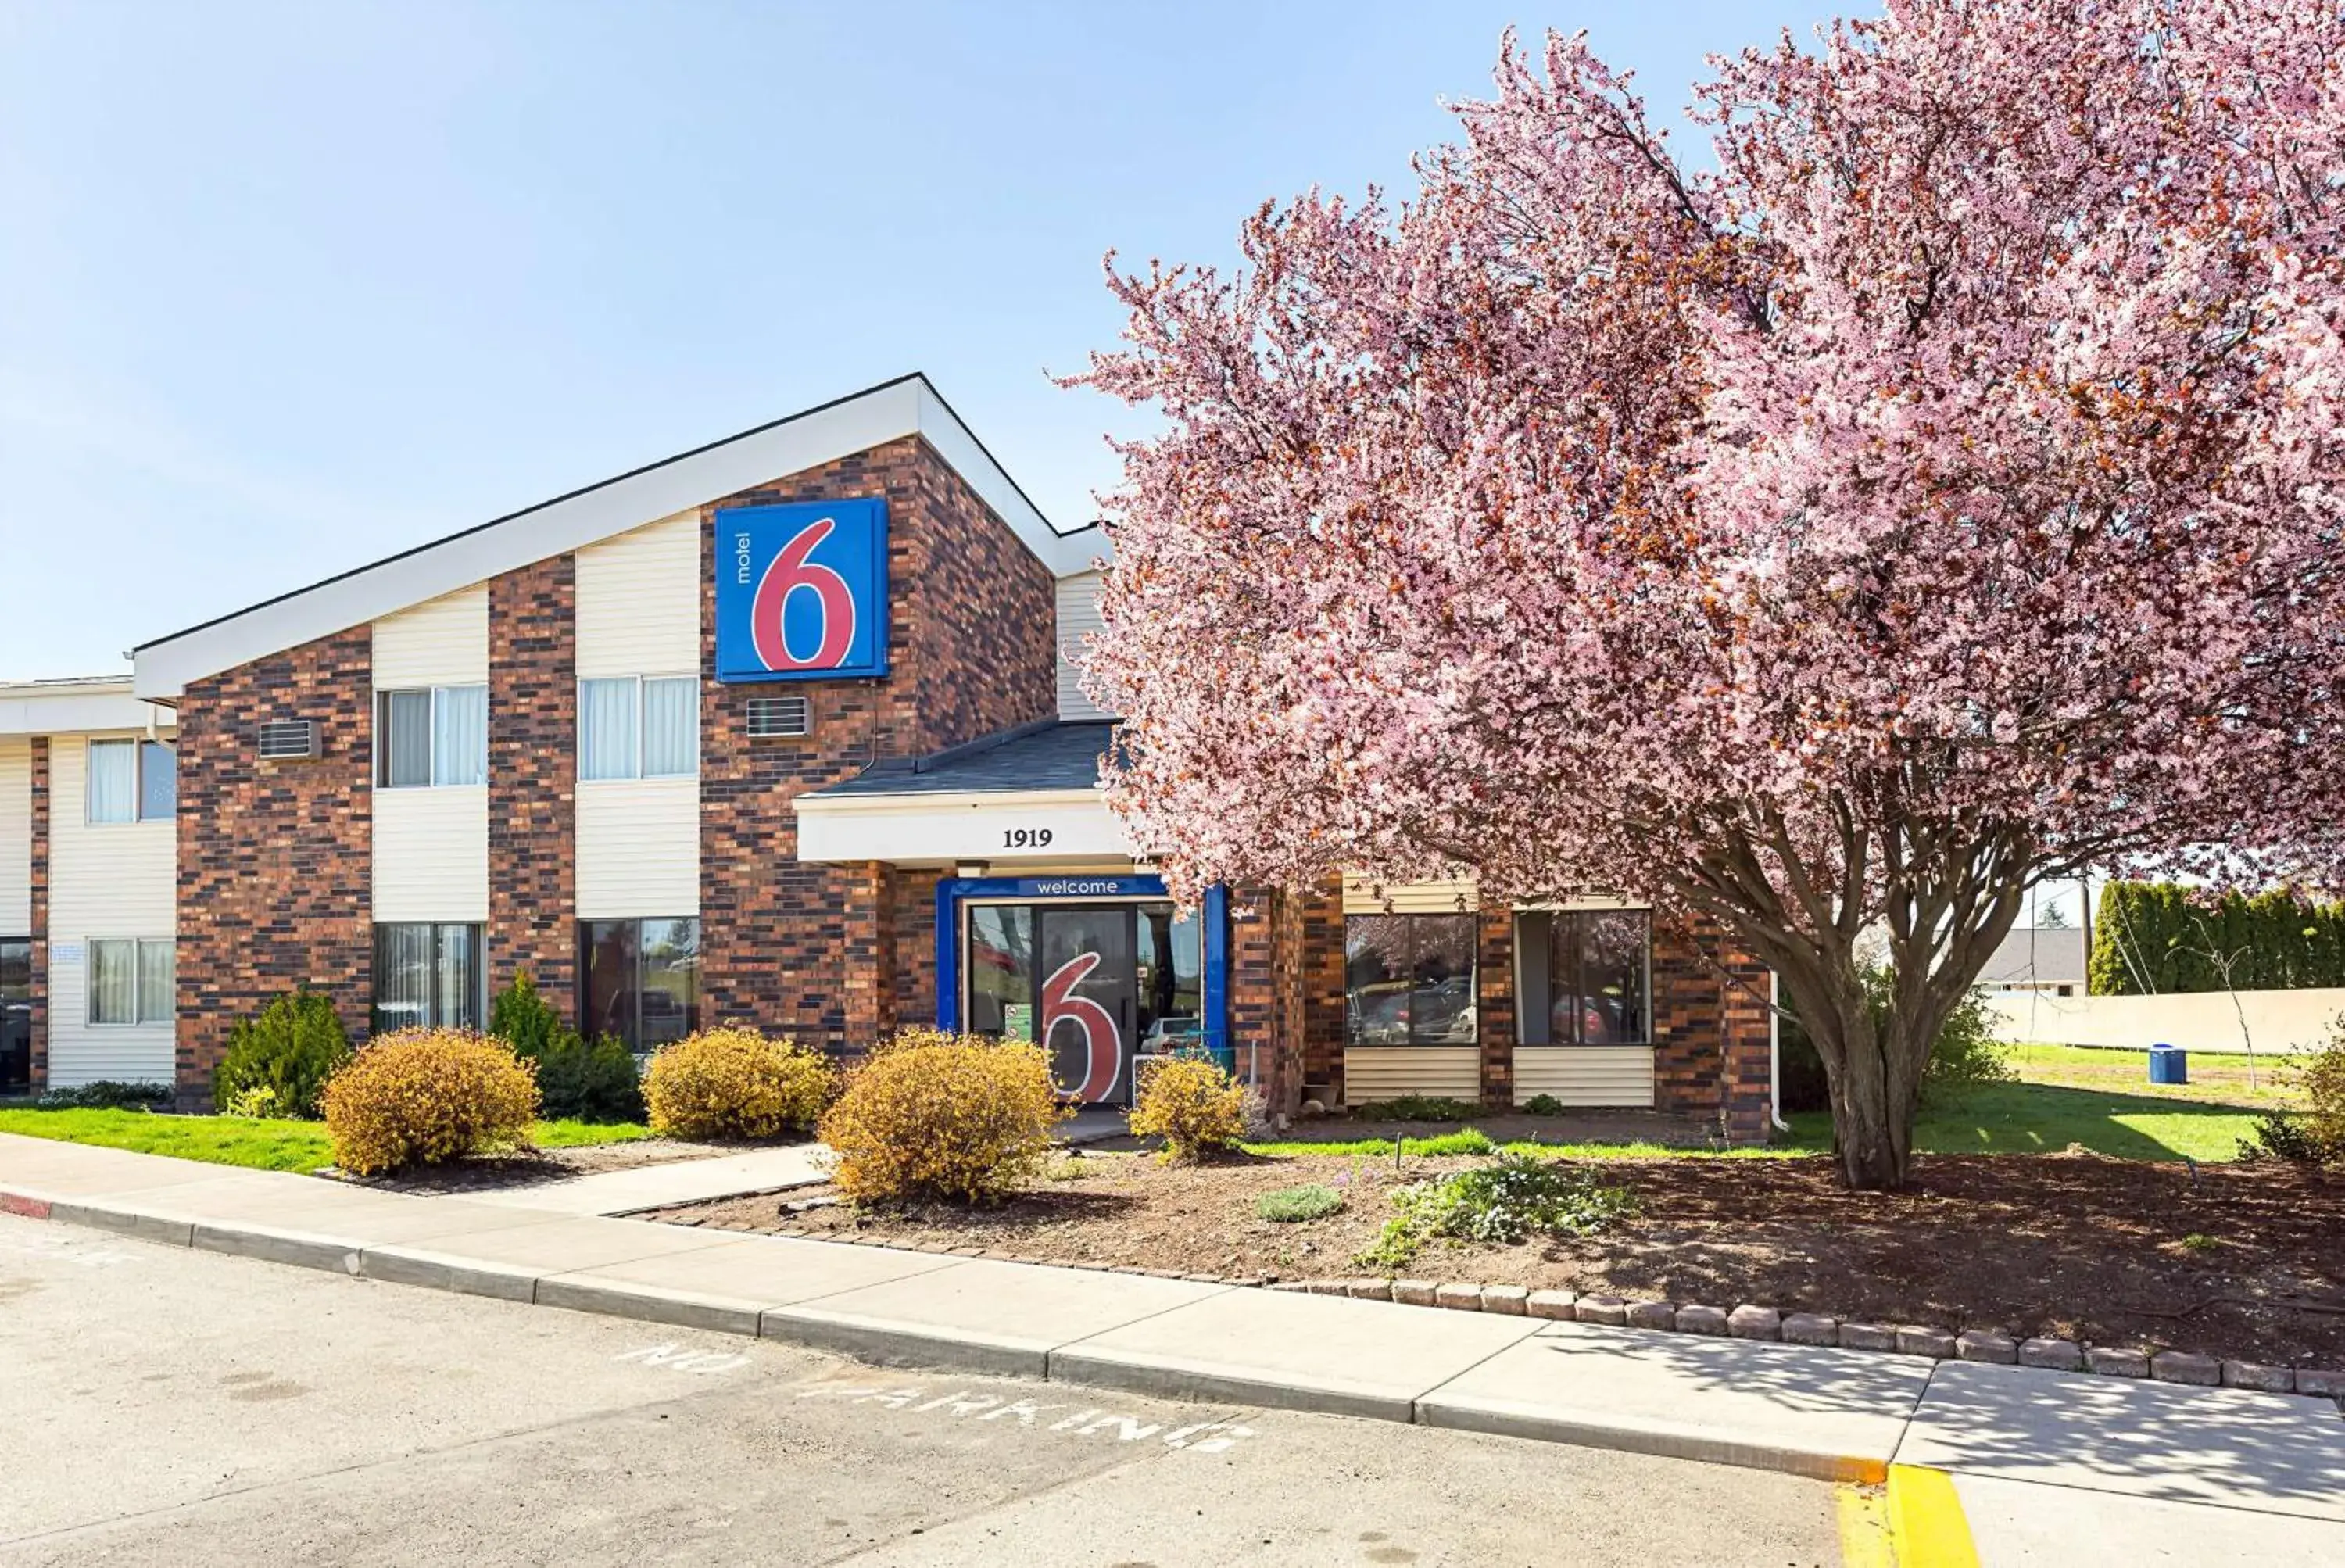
point(288, 288)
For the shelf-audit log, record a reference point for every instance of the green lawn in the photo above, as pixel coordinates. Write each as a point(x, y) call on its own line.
point(241, 1141)
point(2215, 1078)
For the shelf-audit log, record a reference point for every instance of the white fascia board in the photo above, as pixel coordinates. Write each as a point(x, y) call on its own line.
point(77, 712)
point(909, 406)
point(997, 826)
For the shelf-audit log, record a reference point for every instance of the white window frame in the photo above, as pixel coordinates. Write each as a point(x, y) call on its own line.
point(431, 736)
point(637, 771)
point(137, 1019)
point(139, 744)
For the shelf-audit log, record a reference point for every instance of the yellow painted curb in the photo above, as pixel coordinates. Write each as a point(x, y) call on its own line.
point(1926, 1527)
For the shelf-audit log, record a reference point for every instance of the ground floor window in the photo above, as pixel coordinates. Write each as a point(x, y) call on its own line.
point(131, 981)
point(429, 975)
point(1408, 979)
point(15, 1013)
point(639, 980)
point(1586, 976)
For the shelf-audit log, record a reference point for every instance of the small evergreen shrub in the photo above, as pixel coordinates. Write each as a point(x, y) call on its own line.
point(278, 1064)
point(107, 1094)
point(1295, 1205)
point(1512, 1198)
point(577, 1080)
point(1191, 1103)
point(1543, 1105)
point(735, 1082)
point(1417, 1108)
point(421, 1096)
point(1966, 1053)
point(2315, 1135)
point(935, 1115)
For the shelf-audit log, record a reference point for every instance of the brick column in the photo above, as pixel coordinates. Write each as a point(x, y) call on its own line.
point(1494, 1005)
point(40, 932)
point(1710, 1031)
point(1323, 978)
point(534, 779)
point(1268, 1009)
point(868, 955)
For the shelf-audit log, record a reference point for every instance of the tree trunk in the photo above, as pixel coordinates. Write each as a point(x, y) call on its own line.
point(1872, 1066)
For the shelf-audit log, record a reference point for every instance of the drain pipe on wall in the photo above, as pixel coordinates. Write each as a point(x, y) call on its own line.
point(1775, 1056)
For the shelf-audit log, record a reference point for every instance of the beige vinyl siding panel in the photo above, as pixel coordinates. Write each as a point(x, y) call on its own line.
point(1388, 1072)
point(15, 835)
point(442, 643)
point(106, 879)
point(431, 855)
point(1585, 1075)
point(639, 602)
point(639, 848)
point(1362, 896)
point(1079, 615)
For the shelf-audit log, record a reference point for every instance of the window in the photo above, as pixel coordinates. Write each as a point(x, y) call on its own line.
point(639, 980)
point(1586, 976)
point(131, 981)
point(644, 727)
point(438, 736)
point(1408, 979)
point(133, 782)
point(429, 975)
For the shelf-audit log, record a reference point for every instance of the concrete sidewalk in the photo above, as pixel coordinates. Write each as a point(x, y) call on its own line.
point(678, 1182)
point(1835, 1414)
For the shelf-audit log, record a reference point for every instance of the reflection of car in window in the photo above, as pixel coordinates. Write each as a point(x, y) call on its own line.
point(1167, 1030)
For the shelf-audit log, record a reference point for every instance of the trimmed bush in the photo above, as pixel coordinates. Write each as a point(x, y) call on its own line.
point(421, 1096)
point(934, 1115)
point(277, 1064)
point(735, 1082)
point(576, 1079)
point(107, 1094)
point(1542, 1106)
point(1294, 1204)
point(1417, 1108)
point(1193, 1104)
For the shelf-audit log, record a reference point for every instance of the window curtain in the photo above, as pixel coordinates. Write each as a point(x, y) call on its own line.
point(402, 976)
point(606, 711)
point(671, 728)
point(158, 982)
point(114, 780)
point(456, 977)
point(459, 735)
point(403, 730)
point(113, 983)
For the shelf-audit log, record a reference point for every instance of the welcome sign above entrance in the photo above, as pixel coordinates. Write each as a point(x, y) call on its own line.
point(802, 591)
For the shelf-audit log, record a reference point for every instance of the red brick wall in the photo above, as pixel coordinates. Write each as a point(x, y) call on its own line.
point(1494, 1005)
point(1710, 1031)
point(1323, 979)
point(533, 778)
point(1270, 1003)
point(813, 951)
point(40, 932)
point(275, 873)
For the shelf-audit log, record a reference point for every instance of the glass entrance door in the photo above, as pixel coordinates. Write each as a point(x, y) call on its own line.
point(1089, 997)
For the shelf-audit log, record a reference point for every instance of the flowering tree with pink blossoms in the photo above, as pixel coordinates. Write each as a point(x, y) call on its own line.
point(1938, 496)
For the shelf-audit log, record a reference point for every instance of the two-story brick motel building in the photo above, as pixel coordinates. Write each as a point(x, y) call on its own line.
point(781, 730)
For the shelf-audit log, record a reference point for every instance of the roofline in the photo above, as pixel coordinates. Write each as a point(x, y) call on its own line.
point(1048, 547)
point(78, 705)
point(880, 803)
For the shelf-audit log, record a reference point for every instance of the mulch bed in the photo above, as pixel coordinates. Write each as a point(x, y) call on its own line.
point(547, 1165)
point(2072, 1246)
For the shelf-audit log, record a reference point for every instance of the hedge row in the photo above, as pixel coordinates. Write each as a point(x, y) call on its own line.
point(2159, 938)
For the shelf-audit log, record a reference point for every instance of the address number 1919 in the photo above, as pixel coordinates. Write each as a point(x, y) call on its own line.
point(1025, 837)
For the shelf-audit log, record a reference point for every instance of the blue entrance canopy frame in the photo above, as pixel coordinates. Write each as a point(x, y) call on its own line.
point(952, 891)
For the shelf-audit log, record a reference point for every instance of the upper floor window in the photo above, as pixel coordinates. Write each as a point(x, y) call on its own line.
point(639, 726)
point(437, 734)
point(1408, 979)
point(1586, 976)
point(133, 780)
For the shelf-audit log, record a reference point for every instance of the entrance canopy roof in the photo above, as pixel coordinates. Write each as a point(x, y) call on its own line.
point(1027, 797)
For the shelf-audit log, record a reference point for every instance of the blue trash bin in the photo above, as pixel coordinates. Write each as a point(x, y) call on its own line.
point(2169, 1064)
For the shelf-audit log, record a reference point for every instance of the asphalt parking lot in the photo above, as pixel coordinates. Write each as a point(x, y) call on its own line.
point(164, 1405)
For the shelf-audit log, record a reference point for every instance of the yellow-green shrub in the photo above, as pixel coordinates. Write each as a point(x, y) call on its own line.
point(931, 1114)
point(420, 1096)
point(735, 1082)
point(1193, 1104)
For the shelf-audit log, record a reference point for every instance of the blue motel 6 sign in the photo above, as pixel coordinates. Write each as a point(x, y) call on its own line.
point(802, 591)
